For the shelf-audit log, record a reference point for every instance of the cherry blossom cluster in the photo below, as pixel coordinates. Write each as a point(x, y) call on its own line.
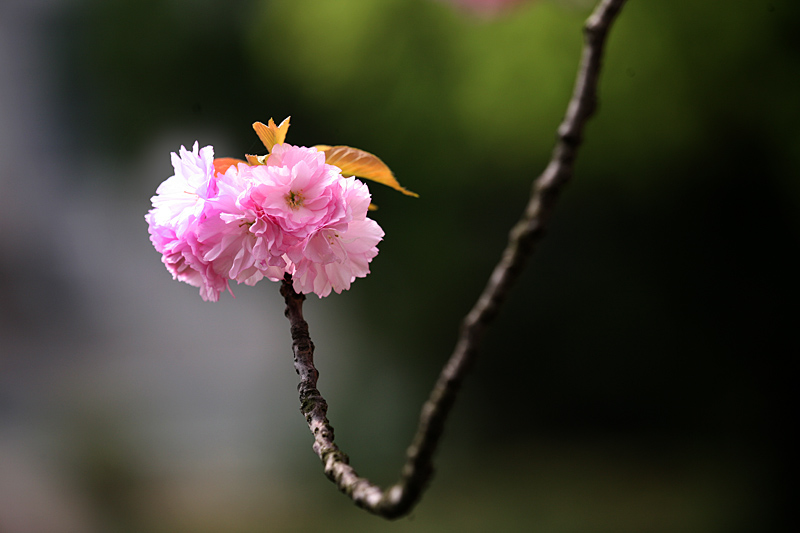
point(295, 215)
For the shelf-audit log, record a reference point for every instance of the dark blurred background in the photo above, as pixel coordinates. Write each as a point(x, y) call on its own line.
point(635, 382)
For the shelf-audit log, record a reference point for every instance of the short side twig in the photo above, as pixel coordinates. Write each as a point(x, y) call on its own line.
point(398, 499)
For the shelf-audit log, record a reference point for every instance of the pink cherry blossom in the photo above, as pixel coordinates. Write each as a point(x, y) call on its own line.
point(180, 198)
point(183, 260)
point(292, 196)
point(295, 215)
point(335, 255)
point(176, 215)
point(239, 244)
point(300, 191)
point(332, 260)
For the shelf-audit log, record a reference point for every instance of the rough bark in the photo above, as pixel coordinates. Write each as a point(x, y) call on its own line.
point(398, 499)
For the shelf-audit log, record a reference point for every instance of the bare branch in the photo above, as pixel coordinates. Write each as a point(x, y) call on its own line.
point(398, 499)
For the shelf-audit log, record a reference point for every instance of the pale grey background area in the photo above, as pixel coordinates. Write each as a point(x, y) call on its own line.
point(101, 353)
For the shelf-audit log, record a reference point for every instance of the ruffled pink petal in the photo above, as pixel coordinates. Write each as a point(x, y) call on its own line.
point(333, 260)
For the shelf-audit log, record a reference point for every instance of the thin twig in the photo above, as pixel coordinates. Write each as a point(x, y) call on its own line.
point(398, 499)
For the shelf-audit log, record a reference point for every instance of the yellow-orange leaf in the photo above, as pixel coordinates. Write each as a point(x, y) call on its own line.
point(221, 164)
point(271, 134)
point(355, 162)
point(254, 160)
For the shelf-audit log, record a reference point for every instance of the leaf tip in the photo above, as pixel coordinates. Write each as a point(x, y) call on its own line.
point(270, 134)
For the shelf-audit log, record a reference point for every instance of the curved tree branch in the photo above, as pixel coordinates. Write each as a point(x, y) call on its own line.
point(398, 499)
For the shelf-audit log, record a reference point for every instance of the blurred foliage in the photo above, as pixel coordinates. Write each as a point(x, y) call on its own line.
point(657, 307)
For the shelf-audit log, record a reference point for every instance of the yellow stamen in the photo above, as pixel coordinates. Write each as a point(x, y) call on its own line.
point(294, 200)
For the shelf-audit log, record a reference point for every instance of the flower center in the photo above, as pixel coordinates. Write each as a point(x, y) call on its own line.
point(294, 200)
point(332, 236)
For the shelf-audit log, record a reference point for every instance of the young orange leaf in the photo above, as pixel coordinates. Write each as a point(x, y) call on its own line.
point(355, 162)
point(221, 164)
point(271, 134)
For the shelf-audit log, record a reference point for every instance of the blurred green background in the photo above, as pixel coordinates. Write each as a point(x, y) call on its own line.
point(636, 380)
